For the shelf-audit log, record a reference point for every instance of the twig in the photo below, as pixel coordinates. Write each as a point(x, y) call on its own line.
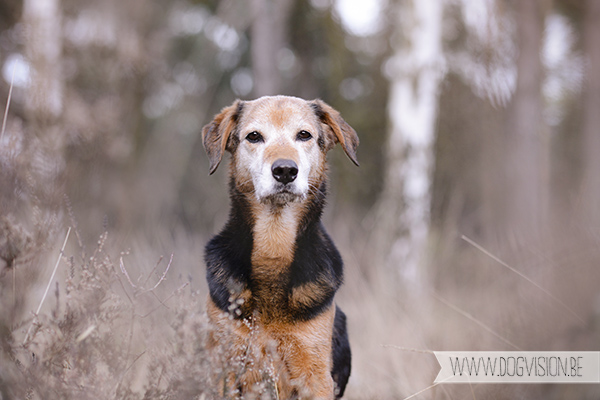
point(499, 261)
point(162, 303)
point(425, 351)
point(154, 269)
point(422, 351)
point(130, 337)
point(124, 271)
point(12, 79)
point(127, 370)
point(48, 286)
point(133, 362)
point(85, 333)
point(478, 322)
point(162, 278)
point(73, 221)
point(124, 290)
point(427, 388)
point(159, 300)
point(472, 391)
point(14, 285)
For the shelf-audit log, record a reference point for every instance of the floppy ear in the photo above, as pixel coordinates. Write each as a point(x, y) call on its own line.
point(342, 132)
point(215, 135)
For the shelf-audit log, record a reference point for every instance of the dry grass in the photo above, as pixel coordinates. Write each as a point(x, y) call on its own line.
point(130, 324)
point(548, 299)
point(120, 321)
point(118, 327)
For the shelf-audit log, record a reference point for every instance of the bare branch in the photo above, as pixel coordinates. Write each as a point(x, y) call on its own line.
point(427, 388)
point(162, 303)
point(124, 271)
point(499, 261)
point(408, 349)
point(162, 278)
point(12, 79)
point(477, 321)
point(154, 269)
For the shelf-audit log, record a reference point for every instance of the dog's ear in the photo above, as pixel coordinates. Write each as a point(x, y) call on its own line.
point(342, 132)
point(215, 135)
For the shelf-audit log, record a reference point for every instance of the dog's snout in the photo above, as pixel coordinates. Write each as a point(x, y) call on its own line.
point(284, 171)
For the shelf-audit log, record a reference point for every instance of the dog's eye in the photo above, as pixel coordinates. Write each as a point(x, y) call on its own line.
point(254, 137)
point(304, 136)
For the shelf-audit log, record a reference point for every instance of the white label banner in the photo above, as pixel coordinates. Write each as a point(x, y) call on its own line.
point(518, 367)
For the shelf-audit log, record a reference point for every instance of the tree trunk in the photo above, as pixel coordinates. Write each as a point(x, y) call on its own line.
point(526, 155)
point(403, 210)
point(44, 100)
point(590, 193)
point(30, 179)
point(42, 18)
point(268, 33)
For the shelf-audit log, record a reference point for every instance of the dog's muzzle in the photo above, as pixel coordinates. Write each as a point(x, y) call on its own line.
point(284, 171)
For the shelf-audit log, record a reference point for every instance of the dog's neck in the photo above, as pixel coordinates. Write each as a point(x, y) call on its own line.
point(274, 236)
point(275, 228)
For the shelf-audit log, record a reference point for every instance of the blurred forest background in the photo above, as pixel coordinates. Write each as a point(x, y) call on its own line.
point(473, 222)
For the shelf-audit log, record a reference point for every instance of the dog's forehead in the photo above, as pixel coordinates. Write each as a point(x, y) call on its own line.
point(278, 112)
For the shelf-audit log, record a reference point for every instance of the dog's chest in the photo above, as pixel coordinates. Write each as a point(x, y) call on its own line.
point(274, 242)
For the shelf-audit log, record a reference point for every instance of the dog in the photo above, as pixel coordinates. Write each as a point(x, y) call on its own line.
point(273, 266)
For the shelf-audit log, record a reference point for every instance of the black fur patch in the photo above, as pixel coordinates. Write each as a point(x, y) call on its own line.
point(238, 111)
point(320, 113)
point(233, 141)
point(228, 254)
point(318, 110)
point(342, 356)
point(316, 260)
point(321, 141)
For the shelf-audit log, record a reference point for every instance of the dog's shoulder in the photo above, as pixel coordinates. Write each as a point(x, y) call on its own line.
point(316, 273)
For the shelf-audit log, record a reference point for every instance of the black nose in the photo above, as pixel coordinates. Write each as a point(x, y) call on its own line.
point(284, 171)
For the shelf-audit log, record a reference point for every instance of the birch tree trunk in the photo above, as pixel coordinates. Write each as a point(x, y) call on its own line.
point(590, 193)
point(416, 70)
point(43, 46)
point(30, 181)
point(44, 100)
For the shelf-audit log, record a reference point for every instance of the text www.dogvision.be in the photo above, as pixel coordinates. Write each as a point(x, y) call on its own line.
point(518, 367)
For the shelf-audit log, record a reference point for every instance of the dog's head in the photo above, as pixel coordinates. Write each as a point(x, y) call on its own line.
point(278, 144)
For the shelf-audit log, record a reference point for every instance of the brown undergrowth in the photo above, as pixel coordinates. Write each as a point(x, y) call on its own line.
point(113, 327)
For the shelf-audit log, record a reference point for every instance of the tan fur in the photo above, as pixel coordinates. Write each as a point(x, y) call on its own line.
point(306, 294)
point(302, 355)
point(318, 174)
point(274, 235)
point(215, 136)
point(280, 150)
point(278, 117)
point(241, 176)
point(343, 133)
point(273, 252)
